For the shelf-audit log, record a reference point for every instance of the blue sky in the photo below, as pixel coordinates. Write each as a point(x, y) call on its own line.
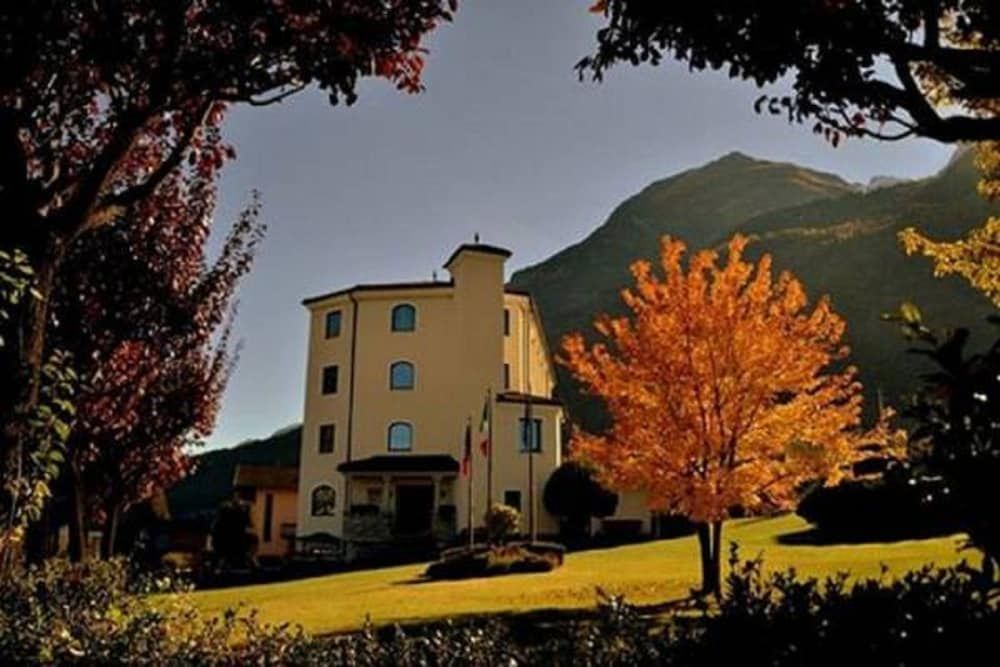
point(505, 142)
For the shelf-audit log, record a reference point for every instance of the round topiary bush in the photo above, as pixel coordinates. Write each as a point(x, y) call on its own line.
point(573, 494)
point(501, 521)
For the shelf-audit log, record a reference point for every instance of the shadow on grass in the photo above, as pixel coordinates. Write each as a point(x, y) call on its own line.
point(424, 579)
point(536, 625)
point(813, 537)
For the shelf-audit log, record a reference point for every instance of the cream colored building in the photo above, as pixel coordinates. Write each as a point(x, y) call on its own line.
point(395, 373)
point(272, 494)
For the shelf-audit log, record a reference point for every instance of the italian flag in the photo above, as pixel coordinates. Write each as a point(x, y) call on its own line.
point(484, 425)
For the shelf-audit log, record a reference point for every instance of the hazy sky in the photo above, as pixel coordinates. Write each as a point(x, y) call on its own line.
point(505, 142)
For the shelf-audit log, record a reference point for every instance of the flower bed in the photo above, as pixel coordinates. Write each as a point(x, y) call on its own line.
point(490, 561)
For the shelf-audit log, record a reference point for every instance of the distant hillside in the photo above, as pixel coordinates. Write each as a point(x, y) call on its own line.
point(837, 237)
point(197, 495)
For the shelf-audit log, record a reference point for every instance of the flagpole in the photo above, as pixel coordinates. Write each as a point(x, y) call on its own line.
point(489, 452)
point(530, 428)
point(468, 436)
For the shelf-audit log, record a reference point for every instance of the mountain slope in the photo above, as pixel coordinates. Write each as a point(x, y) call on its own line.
point(838, 238)
point(698, 205)
point(848, 249)
point(198, 494)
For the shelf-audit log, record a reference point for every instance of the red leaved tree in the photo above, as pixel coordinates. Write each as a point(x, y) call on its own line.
point(147, 318)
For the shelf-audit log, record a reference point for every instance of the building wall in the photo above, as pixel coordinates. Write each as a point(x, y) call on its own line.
point(284, 511)
point(524, 349)
point(510, 465)
point(632, 506)
point(315, 468)
point(427, 406)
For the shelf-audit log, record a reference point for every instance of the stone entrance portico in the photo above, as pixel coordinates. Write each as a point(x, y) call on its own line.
point(393, 499)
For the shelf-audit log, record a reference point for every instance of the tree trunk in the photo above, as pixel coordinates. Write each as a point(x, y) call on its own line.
point(77, 519)
point(717, 558)
point(709, 542)
point(110, 538)
point(23, 361)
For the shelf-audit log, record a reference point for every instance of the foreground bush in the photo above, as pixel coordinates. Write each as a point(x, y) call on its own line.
point(98, 614)
point(927, 618)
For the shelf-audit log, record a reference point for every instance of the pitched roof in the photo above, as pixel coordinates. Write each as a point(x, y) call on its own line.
point(402, 463)
point(255, 476)
point(521, 397)
point(378, 287)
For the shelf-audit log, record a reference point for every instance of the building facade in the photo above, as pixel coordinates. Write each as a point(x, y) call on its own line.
point(271, 492)
point(395, 375)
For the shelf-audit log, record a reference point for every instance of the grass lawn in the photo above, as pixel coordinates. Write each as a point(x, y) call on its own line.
point(646, 573)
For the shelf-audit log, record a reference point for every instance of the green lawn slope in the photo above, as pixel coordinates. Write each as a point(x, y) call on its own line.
point(652, 572)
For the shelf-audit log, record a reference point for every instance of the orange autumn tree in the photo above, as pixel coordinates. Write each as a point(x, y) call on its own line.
point(726, 390)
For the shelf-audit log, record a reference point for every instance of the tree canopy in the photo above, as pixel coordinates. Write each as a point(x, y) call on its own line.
point(727, 391)
point(976, 258)
point(883, 68)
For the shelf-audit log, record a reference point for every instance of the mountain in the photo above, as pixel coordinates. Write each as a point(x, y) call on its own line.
point(838, 238)
point(879, 182)
point(197, 495)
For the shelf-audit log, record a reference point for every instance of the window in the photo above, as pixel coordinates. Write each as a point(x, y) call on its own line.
point(327, 434)
point(506, 321)
point(531, 435)
point(333, 324)
point(268, 516)
point(404, 318)
point(324, 500)
point(401, 375)
point(512, 498)
point(506, 376)
point(330, 376)
point(400, 437)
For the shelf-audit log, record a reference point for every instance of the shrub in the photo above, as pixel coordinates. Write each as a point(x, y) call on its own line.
point(99, 613)
point(882, 509)
point(928, 617)
point(233, 541)
point(501, 522)
point(494, 561)
point(574, 494)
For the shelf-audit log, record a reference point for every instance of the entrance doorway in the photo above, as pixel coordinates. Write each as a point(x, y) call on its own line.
point(414, 506)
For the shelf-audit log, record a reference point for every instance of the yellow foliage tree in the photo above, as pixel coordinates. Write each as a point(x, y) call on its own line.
point(976, 257)
point(727, 391)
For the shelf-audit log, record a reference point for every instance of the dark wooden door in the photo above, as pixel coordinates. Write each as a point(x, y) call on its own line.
point(414, 506)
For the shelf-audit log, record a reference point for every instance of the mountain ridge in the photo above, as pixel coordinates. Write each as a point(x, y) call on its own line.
point(839, 238)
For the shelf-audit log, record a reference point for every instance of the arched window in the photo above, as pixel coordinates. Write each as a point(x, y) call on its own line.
point(404, 317)
point(400, 437)
point(401, 375)
point(324, 500)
